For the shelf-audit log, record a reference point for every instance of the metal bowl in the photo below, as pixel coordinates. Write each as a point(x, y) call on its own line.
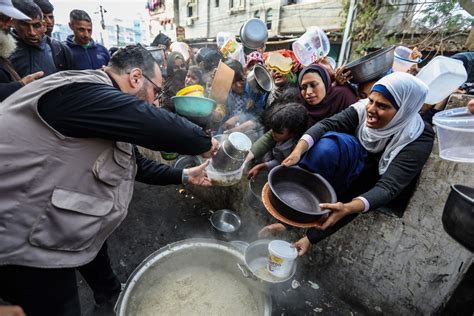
point(373, 66)
point(168, 273)
point(225, 223)
point(254, 33)
point(254, 193)
point(256, 259)
point(259, 79)
point(296, 193)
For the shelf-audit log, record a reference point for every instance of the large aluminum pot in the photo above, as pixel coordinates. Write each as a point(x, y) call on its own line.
point(192, 277)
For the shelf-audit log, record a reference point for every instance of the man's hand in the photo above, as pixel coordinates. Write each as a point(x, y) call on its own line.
point(214, 148)
point(230, 123)
point(198, 176)
point(271, 229)
point(302, 245)
point(30, 78)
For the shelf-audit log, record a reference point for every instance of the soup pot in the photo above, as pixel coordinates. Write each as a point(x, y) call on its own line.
point(259, 79)
point(188, 277)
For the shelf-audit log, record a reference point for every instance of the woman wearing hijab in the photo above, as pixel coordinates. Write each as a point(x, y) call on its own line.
point(385, 131)
point(321, 99)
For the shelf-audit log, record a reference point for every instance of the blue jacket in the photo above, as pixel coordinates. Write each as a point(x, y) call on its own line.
point(49, 56)
point(92, 57)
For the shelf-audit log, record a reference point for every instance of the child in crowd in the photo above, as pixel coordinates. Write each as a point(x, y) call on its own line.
point(288, 122)
point(194, 76)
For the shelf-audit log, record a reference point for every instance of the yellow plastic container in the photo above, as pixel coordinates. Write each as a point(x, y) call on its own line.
point(191, 91)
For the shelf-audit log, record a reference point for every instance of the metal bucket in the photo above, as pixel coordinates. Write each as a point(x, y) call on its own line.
point(232, 153)
point(163, 283)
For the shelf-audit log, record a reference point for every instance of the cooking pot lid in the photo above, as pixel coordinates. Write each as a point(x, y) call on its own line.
point(273, 211)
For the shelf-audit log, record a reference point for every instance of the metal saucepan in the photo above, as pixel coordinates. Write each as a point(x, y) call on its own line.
point(225, 224)
point(255, 268)
point(173, 280)
point(372, 66)
point(259, 79)
point(296, 193)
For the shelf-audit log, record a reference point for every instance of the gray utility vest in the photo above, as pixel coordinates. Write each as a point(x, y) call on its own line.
point(60, 197)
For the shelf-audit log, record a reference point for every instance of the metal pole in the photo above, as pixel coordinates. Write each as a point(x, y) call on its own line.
point(118, 35)
point(347, 30)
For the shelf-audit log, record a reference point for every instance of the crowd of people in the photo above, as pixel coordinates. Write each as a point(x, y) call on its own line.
point(75, 117)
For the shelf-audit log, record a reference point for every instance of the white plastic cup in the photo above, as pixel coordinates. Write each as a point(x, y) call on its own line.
point(401, 59)
point(281, 258)
point(312, 45)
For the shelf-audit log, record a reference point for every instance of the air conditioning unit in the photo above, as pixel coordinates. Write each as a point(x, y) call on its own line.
point(189, 21)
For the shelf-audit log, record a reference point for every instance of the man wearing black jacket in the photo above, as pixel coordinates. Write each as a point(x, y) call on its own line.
point(66, 151)
point(10, 81)
point(35, 51)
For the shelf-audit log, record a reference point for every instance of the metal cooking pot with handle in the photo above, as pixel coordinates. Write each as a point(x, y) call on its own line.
point(458, 215)
point(187, 277)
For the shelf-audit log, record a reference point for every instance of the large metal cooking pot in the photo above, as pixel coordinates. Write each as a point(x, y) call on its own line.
point(372, 66)
point(296, 193)
point(256, 258)
point(458, 215)
point(192, 277)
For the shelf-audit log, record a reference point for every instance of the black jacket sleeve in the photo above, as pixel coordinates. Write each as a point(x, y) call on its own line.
point(102, 111)
point(345, 122)
point(151, 172)
point(7, 86)
point(402, 170)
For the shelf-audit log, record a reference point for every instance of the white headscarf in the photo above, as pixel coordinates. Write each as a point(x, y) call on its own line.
point(407, 125)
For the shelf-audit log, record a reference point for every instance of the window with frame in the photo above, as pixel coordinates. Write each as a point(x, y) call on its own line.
point(191, 9)
point(236, 4)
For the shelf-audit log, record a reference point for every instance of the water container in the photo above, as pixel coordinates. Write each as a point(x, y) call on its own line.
point(281, 257)
point(312, 45)
point(442, 75)
point(455, 130)
point(401, 59)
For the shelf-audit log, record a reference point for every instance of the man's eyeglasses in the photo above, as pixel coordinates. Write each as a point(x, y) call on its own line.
point(159, 92)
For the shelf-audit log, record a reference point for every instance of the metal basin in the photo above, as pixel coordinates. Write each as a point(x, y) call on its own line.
point(372, 66)
point(192, 277)
point(296, 193)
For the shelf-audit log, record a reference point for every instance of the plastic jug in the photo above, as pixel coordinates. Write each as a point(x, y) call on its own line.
point(442, 75)
point(312, 45)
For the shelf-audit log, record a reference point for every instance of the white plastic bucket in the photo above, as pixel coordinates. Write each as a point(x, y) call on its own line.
point(442, 75)
point(281, 257)
point(312, 45)
point(401, 59)
point(455, 131)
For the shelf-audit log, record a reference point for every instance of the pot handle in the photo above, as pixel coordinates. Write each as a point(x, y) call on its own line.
point(246, 272)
